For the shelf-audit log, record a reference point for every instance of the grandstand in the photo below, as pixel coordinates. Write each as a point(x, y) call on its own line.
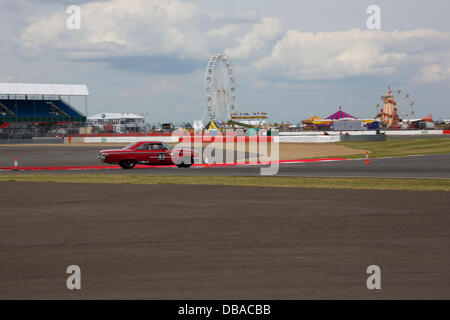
point(117, 122)
point(28, 109)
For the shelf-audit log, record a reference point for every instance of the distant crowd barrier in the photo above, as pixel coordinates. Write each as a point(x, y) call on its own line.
point(367, 132)
point(284, 137)
point(361, 138)
point(129, 139)
point(227, 139)
point(33, 140)
point(177, 139)
point(131, 134)
point(309, 139)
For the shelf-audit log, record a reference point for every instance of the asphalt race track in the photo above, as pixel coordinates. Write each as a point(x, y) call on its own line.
point(57, 155)
point(219, 242)
point(430, 166)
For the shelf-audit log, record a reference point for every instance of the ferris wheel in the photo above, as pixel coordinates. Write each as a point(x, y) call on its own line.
point(405, 105)
point(220, 89)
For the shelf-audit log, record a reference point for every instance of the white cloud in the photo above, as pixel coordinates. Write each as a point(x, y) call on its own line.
point(433, 74)
point(257, 39)
point(121, 28)
point(341, 54)
point(169, 31)
point(235, 17)
point(225, 32)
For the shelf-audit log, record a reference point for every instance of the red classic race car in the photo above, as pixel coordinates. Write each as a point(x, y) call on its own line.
point(149, 153)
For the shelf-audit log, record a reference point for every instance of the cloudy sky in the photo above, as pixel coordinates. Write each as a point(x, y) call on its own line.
point(292, 59)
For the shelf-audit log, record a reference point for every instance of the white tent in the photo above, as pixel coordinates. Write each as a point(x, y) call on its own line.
point(122, 122)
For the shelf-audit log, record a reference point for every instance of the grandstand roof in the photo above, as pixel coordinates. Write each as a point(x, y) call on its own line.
point(44, 89)
point(106, 116)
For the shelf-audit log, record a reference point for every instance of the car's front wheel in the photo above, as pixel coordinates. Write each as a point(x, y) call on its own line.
point(127, 164)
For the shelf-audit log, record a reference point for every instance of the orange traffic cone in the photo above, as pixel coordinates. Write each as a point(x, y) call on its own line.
point(367, 161)
point(16, 164)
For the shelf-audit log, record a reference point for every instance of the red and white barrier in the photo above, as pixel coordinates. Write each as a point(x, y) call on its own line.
point(176, 139)
point(227, 139)
point(129, 139)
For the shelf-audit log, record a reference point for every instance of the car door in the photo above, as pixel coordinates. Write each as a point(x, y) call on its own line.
point(143, 153)
point(168, 155)
point(160, 155)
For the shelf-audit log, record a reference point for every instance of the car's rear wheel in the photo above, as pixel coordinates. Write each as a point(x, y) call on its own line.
point(185, 165)
point(127, 164)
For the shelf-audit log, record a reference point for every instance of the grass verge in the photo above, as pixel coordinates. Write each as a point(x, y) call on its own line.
point(284, 182)
point(400, 147)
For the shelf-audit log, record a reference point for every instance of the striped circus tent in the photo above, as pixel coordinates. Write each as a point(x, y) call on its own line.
point(340, 115)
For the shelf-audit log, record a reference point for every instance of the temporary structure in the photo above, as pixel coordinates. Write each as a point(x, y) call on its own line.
point(340, 115)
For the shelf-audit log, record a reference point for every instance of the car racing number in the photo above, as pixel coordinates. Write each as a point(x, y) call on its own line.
point(161, 156)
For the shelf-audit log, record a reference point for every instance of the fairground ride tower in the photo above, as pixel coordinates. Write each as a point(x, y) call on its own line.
point(389, 114)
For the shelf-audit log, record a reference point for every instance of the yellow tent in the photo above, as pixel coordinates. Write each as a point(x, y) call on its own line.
point(314, 118)
point(211, 125)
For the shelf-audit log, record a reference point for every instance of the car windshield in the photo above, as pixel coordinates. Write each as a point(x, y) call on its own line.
point(129, 146)
point(165, 145)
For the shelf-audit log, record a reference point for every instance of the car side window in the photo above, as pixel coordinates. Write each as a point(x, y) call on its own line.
point(143, 147)
point(157, 146)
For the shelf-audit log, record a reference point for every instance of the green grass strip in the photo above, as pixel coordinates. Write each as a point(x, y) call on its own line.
point(401, 147)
